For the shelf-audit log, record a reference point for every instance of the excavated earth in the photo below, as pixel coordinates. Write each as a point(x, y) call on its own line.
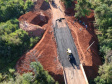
point(45, 51)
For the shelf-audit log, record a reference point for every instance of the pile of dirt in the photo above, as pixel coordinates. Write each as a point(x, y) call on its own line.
point(33, 30)
point(34, 18)
point(45, 51)
point(40, 13)
point(83, 39)
point(40, 19)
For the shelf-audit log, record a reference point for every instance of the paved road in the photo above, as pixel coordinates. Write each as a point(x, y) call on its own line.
point(64, 40)
point(72, 73)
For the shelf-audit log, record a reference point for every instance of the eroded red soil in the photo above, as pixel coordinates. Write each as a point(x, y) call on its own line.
point(45, 51)
point(83, 39)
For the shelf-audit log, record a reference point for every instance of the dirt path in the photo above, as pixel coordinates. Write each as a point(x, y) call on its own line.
point(57, 10)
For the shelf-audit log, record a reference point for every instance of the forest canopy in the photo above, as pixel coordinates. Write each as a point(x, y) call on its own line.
point(13, 8)
point(13, 41)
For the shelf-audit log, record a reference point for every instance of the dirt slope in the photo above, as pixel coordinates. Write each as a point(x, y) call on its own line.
point(83, 38)
point(45, 51)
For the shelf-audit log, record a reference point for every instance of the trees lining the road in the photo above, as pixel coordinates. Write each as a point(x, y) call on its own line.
point(82, 8)
point(67, 3)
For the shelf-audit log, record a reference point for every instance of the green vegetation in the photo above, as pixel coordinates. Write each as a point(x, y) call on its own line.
point(82, 8)
point(13, 8)
point(105, 74)
point(103, 22)
point(40, 76)
point(13, 41)
point(68, 3)
point(47, 0)
point(103, 18)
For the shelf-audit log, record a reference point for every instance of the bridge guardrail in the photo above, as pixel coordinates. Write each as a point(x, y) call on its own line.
point(84, 73)
point(65, 76)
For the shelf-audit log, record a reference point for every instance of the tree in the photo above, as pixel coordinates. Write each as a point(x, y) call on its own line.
point(68, 3)
point(105, 74)
point(102, 17)
point(14, 8)
point(40, 76)
point(13, 42)
point(82, 8)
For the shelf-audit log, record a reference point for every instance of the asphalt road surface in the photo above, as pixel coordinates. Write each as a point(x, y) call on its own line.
point(64, 41)
point(72, 73)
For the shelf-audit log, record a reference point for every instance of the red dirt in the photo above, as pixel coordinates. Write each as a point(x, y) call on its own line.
point(34, 18)
point(45, 51)
point(46, 48)
point(33, 30)
point(83, 38)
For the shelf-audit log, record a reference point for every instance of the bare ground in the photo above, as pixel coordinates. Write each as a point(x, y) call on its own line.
point(45, 51)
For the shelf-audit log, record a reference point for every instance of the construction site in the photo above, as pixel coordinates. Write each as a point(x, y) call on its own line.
point(60, 32)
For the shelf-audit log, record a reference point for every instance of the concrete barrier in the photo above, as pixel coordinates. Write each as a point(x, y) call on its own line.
point(84, 74)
